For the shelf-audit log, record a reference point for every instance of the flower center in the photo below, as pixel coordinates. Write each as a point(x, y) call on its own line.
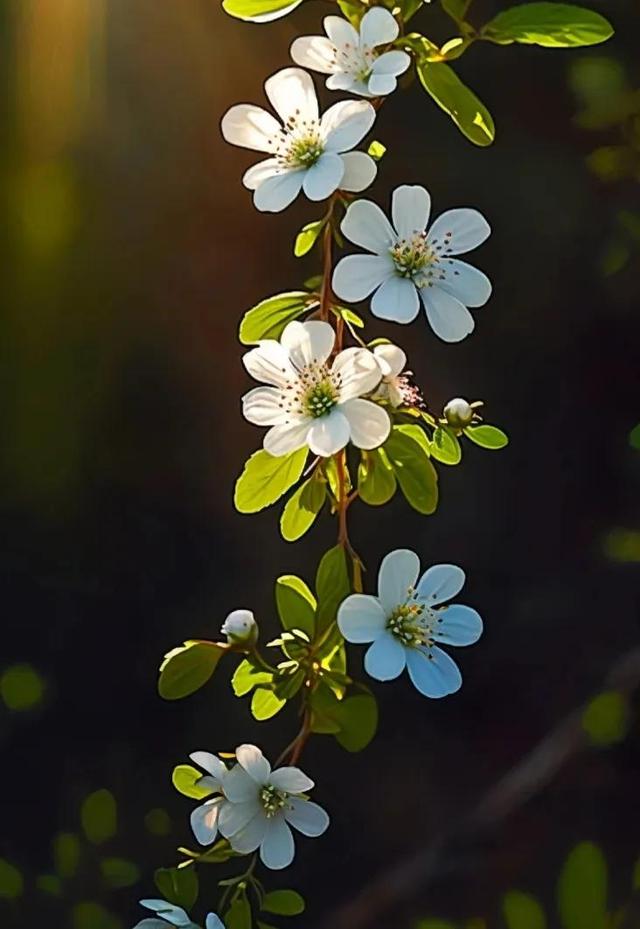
point(354, 60)
point(299, 144)
point(272, 800)
point(313, 393)
point(321, 399)
point(412, 258)
point(406, 623)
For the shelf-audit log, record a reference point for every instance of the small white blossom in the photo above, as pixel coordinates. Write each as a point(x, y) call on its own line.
point(204, 819)
point(355, 60)
point(306, 152)
point(405, 620)
point(172, 915)
point(459, 412)
point(395, 386)
point(311, 401)
point(240, 626)
point(410, 263)
point(263, 804)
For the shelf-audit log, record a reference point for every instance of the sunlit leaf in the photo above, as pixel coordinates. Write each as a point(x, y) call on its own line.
point(259, 11)
point(296, 604)
point(187, 668)
point(266, 478)
point(185, 780)
point(268, 318)
point(307, 238)
point(179, 886)
point(522, 911)
point(332, 585)
point(283, 903)
point(487, 436)
point(376, 480)
point(376, 150)
point(413, 469)
point(358, 720)
point(247, 676)
point(265, 703)
point(582, 889)
point(606, 719)
point(554, 25)
point(99, 817)
point(468, 113)
point(302, 508)
point(445, 447)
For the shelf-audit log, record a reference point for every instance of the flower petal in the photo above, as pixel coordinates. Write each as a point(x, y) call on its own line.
point(433, 672)
point(369, 423)
point(457, 625)
point(458, 231)
point(377, 27)
point(357, 371)
point(361, 618)
point(340, 31)
point(254, 763)
point(307, 817)
point(285, 438)
point(450, 320)
point(239, 787)
point(257, 174)
point(440, 582)
point(209, 763)
point(410, 208)
point(315, 52)
point(250, 126)
point(359, 171)
point(391, 63)
point(213, 921)
point(392, 360)
point(269, 362)
point(174, 915)
point(328, 434)
point(277, 192)
point(277, 848)
point(235, 816)
point(386, 658)
point(249, 838)
point(292, 780)
point(292, 94)
point(204, 821)
point(356, 276)
point(308, 343)
point(397, 578)
point(348, 82)
point(366, 225)
point(381, 84)
point(397, 300)
point(322, 178)
point(264, 406)
point(463, 281)
point(346, 123)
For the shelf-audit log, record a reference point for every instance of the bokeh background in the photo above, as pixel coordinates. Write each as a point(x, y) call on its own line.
point(132, 252)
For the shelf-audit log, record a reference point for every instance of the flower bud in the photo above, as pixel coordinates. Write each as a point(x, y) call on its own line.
point(459, 413)
point(240, 627)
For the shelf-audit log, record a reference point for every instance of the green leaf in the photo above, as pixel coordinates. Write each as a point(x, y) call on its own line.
point(179, 886)
point(268, 318)
point(266, 478)
point(307, 238)
point(118, 872)
point(553, 25)
point(259, 11)
point(358, 719)
point(350, 317)
point(522, 911)
point(415, 473)
point(99, 817)
point(353, 10)
point(468, 113)
point(324, 703)
point(445, 447)
point(332, 585)
point(416, 433)
point(66, 854)
point(376, 150)
point(606, 719)
point(301, 509)
point(185, 780)
point(11, 881)
point(265, 703)
point(283, 903)
point(487, 436)
point(296, 604)
point(456, 9)
point(238, 916)
point(582, 889)
point(247, 676)
point(376, 480)
point(187, 668)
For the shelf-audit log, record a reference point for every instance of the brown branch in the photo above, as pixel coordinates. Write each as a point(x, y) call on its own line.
point(526, 779)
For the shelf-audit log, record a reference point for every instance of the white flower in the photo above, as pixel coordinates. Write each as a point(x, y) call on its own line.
point(395, 386)
point(204, 819)
point(408, 262)
point(351, 57)
point(214, 922)
point(306, 152)
point(240, 626)
point(263, 804)
point(403, 623)
point(310, 401)
point(173, 915)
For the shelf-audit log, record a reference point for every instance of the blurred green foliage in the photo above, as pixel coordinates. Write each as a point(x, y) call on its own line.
point(21, 687)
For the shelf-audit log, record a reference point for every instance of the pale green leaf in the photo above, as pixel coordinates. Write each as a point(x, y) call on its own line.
point(554, 25)
point(259, 11)
point(445, 447)
point(413, 469)
point(376, 480)
point(376, 150)
point(265, 703)
point(185, 780)
point(468, 113)
point(487, 436)
point(582, 889)
point(266, 478)
point(332, 585)
point(268, 318)
point(247, 676)
point(302, 508)
point(187, 668)
point(307, 238)
point(283, 903)
point(296, 604)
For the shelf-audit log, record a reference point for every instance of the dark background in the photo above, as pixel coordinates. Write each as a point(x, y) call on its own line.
point(132, 253)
